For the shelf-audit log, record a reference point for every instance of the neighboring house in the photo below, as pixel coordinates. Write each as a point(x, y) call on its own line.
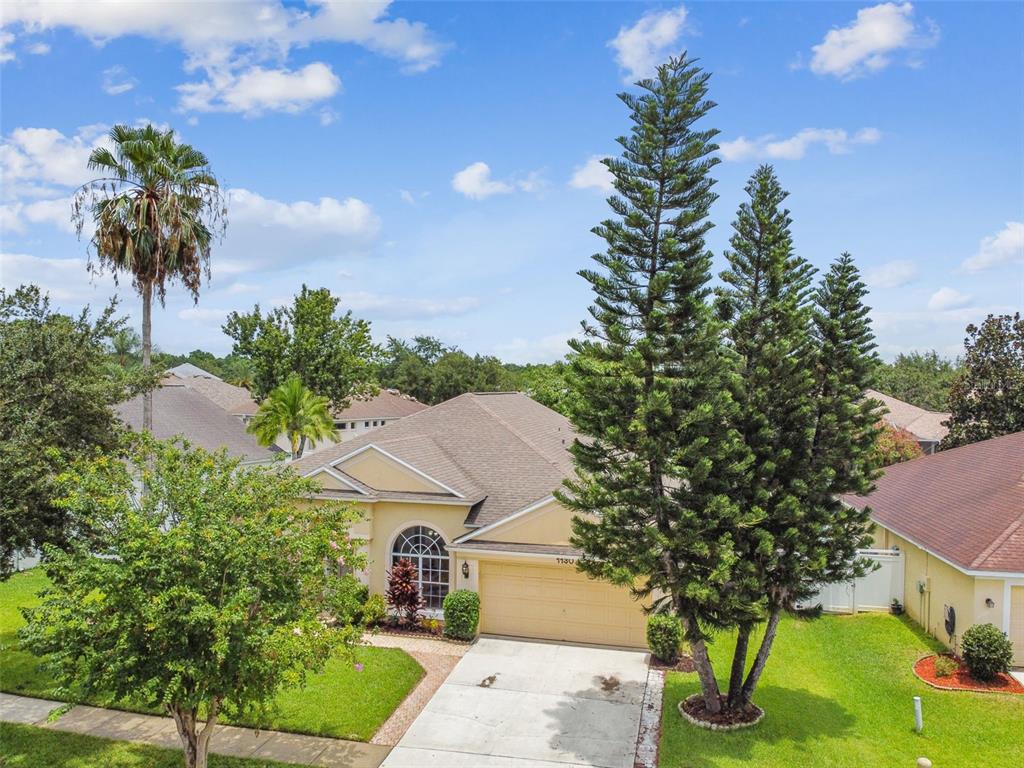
point(180, 410)
point(464, 490)
point(958, 518)
point(927, 427)
point(237, 401)
point(366, 413)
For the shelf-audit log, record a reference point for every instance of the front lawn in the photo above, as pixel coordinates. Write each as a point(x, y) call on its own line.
point(839, 692)
point(25, 746)
point(339, 701)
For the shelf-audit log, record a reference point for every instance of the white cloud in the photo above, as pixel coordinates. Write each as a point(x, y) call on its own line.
point(6, 38)
point(545, 349)
point(892, 274)
point(257, 90)
point(328, 117)
point(639, 49)
point(39, 49)
point(205, 315)
point(35, 160)
point(402, 308)
point(836, 140)
point(1004, 247)
point(350, 217)
point(116, 81)
point(228, 40)
point(475, 182)
point(593, 174)
point(66, 280)
point(948, 298)
point(867, 44)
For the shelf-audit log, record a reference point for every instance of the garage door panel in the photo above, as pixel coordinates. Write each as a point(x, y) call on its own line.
point(556, 603)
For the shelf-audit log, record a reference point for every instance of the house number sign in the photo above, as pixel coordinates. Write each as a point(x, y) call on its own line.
point(565, 560)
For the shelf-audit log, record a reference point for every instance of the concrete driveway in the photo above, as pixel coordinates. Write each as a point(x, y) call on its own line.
point(522, 704)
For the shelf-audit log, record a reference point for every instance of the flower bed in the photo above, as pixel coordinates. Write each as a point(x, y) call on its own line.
point(961, 679)
point(694, 711)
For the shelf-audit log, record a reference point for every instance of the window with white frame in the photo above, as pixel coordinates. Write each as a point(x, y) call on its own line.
point(424, 547)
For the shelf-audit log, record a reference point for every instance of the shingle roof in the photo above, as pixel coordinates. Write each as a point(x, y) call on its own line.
point(235, 400)
point(386, 404)
point(505, 546)
point(501, 449)
point(965, 504)
point(178, 410)
point(922, 424)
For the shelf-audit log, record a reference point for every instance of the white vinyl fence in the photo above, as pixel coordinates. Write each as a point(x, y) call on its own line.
point(874, 592)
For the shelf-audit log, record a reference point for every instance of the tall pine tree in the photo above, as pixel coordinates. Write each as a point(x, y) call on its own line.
point(818, 545)
point(766, 301)
point(659, 454)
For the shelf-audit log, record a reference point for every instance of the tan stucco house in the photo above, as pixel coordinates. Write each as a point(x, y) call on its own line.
point(464, 489)
point(958, 518)
point(928, 428)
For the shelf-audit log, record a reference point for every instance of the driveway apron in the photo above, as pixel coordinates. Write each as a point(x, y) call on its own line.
point(522, 704)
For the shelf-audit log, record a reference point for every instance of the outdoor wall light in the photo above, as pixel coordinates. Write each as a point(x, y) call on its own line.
point(990, 603)
point(465, 570)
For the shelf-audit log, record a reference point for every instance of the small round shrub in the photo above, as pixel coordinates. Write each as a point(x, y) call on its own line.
point(344, 599)
point(374, 610)
point(461, 614)
point(945, 666)
point(986, 651)
point(664, 636)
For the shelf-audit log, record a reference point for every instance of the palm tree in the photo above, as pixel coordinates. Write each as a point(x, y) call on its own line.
point(156, 210)
point(125, 344)
point(293, 409)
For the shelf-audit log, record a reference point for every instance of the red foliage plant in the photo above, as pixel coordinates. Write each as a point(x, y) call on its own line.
point(894, 445)
point(403, 592)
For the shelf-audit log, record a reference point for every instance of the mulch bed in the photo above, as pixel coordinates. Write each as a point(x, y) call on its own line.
point(724, 720)
point(961, 680)
point(685, 664)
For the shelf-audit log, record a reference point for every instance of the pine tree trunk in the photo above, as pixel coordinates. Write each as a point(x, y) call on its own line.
point(739, 666)
point(701, 660)
point(762, 654)
point(147, 350)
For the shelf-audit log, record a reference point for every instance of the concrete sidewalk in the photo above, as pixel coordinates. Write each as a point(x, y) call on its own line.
point(227, 739)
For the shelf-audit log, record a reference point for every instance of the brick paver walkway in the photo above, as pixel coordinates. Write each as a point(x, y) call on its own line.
point(226, 740)
point(437, 657)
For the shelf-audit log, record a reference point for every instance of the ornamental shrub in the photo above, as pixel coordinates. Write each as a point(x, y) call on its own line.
point(344, 598)
point(986, 651)
point(664, 636)
point(945, 666)
point(374, 610)
point(403, 592)
point(461, 614)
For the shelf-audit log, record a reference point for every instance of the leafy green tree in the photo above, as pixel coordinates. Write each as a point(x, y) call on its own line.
point(546, 383)
point(765, 299)
point(293, 410)
point(157, 210)
point(202, 597)
point(408, 367)
point(652, 382)
point(57, 392)
point(333, 354)
point(921, 378)
point(456, 373)
point(987, 397)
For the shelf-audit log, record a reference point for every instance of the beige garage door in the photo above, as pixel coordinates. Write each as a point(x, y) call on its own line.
point(557, 603)
point(1017, 624)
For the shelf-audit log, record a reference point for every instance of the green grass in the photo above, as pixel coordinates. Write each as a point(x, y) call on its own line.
point(25, 746)
point(338, 701)
point(839, 692)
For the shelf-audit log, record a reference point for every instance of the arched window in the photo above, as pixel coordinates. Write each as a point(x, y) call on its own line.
point(425, 548)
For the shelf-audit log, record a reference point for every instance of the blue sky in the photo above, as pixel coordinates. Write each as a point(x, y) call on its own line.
point(434, 163)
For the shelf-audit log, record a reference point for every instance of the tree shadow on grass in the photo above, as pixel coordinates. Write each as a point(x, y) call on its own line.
point(797, 721)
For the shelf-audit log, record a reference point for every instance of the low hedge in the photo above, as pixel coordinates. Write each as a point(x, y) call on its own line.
point(461, 614)
point(664, 637)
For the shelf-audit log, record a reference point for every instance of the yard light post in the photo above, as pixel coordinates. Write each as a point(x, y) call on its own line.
point(918, 717)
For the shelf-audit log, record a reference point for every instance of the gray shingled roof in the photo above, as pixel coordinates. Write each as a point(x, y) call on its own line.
point(502, 450)
point(386, 404)
point(925, 425)
point(187, 371)
point(177, 410)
